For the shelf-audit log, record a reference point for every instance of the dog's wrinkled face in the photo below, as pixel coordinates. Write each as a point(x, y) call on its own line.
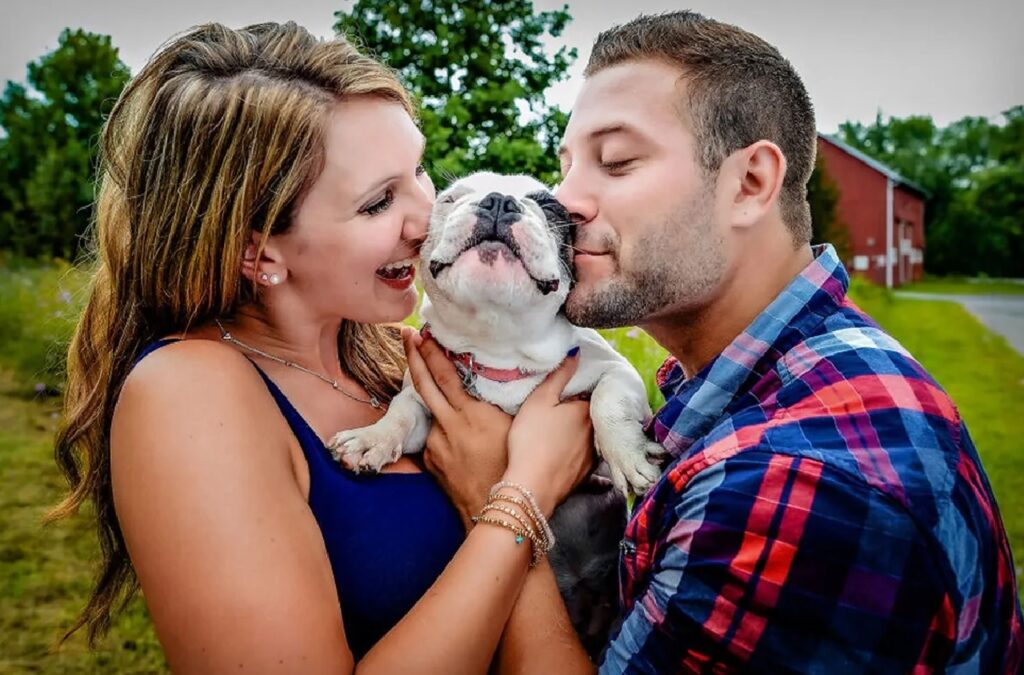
point(498, 240)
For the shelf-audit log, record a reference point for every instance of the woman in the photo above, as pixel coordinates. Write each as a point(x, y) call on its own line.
point(261, 201)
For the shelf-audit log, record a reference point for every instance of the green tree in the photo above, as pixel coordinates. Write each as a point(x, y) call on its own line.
point(480, 70)
point(973, 171)
point(47, 153)
point(823, 195)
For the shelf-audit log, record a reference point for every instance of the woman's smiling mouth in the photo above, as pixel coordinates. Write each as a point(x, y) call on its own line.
point(398, 275)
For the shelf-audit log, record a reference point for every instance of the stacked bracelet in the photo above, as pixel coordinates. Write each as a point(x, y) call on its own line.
point(537, 530)
point(536, 514)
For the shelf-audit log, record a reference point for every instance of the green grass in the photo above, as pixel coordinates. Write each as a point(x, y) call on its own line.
point(46, 572)
point(966, 286)
point(39, 304)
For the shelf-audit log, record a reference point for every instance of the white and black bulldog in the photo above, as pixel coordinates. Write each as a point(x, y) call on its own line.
point(499, 260)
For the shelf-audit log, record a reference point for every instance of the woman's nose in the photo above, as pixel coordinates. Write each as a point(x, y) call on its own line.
point(418, 219)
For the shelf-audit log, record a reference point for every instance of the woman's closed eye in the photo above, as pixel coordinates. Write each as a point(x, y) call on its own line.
point(618, 166)
point(381, 205)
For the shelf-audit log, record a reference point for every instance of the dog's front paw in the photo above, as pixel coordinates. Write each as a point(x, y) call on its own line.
point(368, 448)
point(634, 467)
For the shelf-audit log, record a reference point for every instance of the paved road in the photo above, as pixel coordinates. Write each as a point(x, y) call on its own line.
point(1003, 314)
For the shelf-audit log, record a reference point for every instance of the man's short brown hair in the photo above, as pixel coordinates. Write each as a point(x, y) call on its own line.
point(740, 91)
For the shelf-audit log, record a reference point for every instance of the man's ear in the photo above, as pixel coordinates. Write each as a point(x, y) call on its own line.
point(263, 266)
point(756, 176)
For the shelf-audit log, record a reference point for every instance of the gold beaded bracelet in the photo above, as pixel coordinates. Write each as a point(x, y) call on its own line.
point(534, 508)
point(490, 506)
point(529, 506)
point(521, 535)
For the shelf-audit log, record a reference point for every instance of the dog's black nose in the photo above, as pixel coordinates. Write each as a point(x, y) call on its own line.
point(498, 204)
point(496, 213)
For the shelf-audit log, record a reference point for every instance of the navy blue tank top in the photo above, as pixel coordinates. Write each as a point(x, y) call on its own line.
point(388, 536)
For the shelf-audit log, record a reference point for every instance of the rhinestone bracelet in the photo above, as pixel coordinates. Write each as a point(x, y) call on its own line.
point(530, 513)
point(538, 515)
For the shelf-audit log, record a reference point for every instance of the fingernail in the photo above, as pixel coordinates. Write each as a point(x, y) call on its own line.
point(574, 351)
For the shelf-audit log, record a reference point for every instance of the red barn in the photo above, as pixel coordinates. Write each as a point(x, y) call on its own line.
point(883, 211)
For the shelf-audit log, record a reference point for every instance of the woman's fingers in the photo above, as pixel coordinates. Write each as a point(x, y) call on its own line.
point(424, 382)
point(444, 373)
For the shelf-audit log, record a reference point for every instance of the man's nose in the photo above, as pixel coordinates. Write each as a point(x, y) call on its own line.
point(576, 199)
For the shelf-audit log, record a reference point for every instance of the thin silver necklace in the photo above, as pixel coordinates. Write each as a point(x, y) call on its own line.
point(228, 337)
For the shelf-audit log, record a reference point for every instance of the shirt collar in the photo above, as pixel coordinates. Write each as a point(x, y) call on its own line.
point(692, 407)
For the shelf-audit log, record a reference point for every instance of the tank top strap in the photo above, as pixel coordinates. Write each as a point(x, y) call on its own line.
point(152, 347)
point(312, 446)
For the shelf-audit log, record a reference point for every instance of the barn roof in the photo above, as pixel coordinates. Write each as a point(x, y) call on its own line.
point(875, 164)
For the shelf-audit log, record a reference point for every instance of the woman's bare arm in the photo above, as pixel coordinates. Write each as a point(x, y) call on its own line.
point(230, 557)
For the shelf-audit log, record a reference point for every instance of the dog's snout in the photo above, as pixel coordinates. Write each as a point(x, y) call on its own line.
point(498, 204)
point(496, 213)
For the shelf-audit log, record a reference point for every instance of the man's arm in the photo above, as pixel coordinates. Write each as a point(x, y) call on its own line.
point(777, 563)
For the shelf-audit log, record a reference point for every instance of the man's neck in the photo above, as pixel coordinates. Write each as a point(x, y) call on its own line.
point(695, 336)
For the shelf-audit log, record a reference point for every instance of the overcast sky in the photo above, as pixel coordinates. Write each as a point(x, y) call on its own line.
point(947, 59)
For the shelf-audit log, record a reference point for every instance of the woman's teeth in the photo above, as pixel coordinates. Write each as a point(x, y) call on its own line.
point(396, 270)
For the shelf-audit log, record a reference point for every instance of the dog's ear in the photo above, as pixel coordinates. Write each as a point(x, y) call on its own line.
point(560, 223)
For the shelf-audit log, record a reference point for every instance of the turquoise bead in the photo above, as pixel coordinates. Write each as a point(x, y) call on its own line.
point(519, 539)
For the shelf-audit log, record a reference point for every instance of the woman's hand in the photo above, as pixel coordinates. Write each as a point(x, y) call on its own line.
point(551, 443)
point(467, 444)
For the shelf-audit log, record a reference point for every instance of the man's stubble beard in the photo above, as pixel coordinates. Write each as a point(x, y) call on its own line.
point(677, 265)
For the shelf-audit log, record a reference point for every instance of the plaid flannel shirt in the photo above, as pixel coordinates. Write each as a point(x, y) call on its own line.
point(825, 511)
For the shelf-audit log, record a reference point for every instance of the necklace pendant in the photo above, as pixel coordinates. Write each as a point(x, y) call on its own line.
point(374, 402)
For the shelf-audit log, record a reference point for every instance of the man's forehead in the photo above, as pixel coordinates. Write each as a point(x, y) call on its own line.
point(630, 97)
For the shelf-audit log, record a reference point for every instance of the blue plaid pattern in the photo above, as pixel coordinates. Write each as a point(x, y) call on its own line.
point(825, 511)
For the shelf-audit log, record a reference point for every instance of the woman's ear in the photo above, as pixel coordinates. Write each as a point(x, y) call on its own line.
point(264, 267)
point(759, 170)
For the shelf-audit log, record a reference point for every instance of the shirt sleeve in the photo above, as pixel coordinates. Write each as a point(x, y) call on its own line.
point(773, 563)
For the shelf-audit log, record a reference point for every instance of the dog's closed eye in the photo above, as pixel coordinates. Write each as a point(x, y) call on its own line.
point(453, 194)
point(552, 208)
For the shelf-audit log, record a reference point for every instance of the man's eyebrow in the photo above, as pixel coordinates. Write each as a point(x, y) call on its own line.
point(613, 128)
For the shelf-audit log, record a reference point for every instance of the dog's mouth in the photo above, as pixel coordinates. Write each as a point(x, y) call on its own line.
point(489, 248)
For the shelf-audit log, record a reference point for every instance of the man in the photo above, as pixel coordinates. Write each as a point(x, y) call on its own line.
point(825, 510)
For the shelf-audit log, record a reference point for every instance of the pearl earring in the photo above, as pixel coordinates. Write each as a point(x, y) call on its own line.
point(274, 279)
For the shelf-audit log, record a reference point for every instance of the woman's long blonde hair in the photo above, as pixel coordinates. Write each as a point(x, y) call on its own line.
point(218, 135)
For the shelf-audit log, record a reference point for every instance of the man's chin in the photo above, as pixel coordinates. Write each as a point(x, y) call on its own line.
point(585, 309)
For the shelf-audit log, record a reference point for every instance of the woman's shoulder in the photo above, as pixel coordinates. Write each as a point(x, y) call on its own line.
point(191, 364)
point(194, 381)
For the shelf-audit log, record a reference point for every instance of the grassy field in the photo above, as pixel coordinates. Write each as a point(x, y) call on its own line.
point(45, 572)
point(966, 286)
